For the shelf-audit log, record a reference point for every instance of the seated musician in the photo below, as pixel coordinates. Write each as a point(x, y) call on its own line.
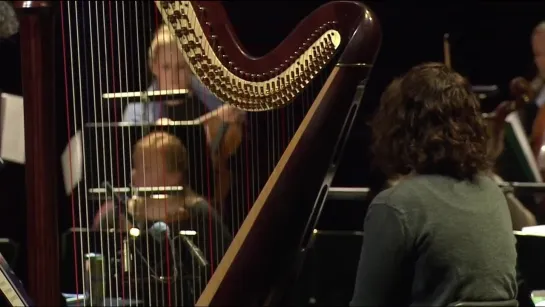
point(443, 233)
point(170, 72)
point(160, 159)
point(520, 215)
point(528, 114)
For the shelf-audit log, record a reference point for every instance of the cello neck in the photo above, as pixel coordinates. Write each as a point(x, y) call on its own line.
point(446, 50)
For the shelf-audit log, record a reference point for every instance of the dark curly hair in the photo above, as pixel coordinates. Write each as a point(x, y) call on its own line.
point(429, 122)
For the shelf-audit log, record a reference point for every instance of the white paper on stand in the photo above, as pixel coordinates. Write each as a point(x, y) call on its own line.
point(72, 163)
point(12, 128)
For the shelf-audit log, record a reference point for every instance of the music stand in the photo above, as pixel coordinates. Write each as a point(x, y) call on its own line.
point(10, 251)
point(109, 146)
point(531, 259)
point(11, 287)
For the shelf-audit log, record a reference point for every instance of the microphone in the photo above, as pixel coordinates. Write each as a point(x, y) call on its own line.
point(120, 203)
point(9, 24)
point(159, 231)
point(195, 251)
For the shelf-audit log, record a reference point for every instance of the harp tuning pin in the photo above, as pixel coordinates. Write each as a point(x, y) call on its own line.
point(202, 11)
point(177, 14)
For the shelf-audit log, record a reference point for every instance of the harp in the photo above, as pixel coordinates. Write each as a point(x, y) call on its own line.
point(299, 102)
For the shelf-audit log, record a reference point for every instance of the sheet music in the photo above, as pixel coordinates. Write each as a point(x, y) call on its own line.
point(513, 120)
point(12, 129)
point(72, 163)
point(538, 230)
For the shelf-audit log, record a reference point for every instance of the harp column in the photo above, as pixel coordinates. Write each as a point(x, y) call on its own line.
point(37, 26)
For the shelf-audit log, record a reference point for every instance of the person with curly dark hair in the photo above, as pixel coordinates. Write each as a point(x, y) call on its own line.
point(443, 233)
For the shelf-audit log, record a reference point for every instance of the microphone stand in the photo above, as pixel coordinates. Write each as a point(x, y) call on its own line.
point(195, 251)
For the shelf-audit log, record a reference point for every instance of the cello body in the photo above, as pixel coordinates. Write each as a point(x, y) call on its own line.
point(337, 43)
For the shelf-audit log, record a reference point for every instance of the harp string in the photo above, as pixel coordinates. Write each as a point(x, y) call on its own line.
point(108, 45)
point(109, 157)
point(72, 200)
point(126, 151)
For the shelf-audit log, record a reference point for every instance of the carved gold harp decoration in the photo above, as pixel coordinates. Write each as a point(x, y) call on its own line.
point(194, 172)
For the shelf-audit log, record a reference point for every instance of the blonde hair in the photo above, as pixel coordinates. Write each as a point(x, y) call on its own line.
point(175, 153)
point(539, 28)
point(163, 37)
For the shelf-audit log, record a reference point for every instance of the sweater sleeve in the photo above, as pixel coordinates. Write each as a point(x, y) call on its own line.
point(381, 259)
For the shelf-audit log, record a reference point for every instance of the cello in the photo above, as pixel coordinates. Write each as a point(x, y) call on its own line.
point(522, 94)
point(538, 126)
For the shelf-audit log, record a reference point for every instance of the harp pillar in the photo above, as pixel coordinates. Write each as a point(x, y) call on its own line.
point(36, 20)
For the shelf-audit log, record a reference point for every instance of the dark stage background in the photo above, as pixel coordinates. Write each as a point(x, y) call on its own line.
point(490, 45)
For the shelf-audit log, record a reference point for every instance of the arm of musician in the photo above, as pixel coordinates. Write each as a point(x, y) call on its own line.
point(204, 94)
point(520, 216)
point(226, 112)
point(156, 209)
point(105, 218)
point(381, 260)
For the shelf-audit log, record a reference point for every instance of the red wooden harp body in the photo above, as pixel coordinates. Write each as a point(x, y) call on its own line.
point(265, 179)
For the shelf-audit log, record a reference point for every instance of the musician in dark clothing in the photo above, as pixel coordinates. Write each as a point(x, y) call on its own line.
point(160, 159)
point(443, 233)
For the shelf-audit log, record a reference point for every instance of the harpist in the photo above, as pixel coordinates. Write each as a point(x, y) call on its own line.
point(443, 234)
